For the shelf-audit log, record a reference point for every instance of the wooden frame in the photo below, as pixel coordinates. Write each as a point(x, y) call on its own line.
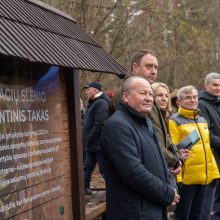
point(75, 137)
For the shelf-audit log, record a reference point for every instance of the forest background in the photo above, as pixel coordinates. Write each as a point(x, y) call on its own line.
point(185, 34)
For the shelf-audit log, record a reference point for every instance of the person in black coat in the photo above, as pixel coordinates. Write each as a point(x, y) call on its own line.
point(138, 184)
point(95, 118)
point(209, 104)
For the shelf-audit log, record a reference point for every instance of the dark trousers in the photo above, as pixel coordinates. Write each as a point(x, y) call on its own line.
point(84, 157)
point(91, 159)
point(216, 205)
point(191, 202)
point(209, 199)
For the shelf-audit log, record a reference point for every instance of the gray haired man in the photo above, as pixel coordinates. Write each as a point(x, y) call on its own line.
point(209, 104)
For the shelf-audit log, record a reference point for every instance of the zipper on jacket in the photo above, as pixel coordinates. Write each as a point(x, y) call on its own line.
point(203, 144)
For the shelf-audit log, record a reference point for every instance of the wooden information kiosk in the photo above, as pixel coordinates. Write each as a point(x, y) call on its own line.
point(41, 168)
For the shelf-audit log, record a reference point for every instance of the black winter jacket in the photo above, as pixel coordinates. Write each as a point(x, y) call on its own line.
point(95, 118)
point(137, 177)
point(210, 110)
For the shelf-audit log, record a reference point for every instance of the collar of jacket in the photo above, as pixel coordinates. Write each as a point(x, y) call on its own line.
point(209, 97)
point(124, 107)
point(97, 95)
point(193, 114)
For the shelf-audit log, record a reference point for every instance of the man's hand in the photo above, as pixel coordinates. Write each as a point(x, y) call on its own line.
point(175, 199)
point(185, 154)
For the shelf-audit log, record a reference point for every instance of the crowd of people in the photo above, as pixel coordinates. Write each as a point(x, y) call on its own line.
point(134, 138)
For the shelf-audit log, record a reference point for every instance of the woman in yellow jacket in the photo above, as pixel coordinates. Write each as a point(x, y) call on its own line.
point(200, 168)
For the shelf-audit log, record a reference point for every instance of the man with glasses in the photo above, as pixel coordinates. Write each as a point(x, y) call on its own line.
point(200, 168)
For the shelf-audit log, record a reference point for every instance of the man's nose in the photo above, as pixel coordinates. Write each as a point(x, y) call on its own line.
point(149, 97)
point(154, 69)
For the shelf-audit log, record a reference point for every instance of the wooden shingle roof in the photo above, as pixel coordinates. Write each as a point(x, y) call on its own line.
point(32, 30)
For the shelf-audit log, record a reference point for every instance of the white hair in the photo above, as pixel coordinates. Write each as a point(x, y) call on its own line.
point(184, 90)
point(211, 76)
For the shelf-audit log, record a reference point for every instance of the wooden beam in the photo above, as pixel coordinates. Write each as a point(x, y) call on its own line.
point(96, 211)
point(95, 205)
point(75, 138)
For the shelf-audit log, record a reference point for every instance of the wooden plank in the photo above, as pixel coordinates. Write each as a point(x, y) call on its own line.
point(95, 204)
point(96, 198)
point(95, 211)
point(72, 83)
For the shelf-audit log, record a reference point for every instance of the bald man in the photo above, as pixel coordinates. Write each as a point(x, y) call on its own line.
point(138, 183)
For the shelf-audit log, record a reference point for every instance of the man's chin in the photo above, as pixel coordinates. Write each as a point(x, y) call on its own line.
point(193, 108)
point(151, 81)
point(147, 111)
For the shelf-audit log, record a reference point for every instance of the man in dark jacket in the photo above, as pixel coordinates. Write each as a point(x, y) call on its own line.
point(96, 116)
point(209, 104)
point(138, 184)
point(144, 63)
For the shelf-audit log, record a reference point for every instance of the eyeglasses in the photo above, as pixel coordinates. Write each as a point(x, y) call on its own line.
point(195, 97)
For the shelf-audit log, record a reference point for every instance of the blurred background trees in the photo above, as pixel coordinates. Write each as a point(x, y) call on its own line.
point(185, 35)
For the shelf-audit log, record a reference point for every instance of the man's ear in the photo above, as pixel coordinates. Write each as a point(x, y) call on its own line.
point(96, 90)
point(178, 103)
point(134, 67)
point(125, 97)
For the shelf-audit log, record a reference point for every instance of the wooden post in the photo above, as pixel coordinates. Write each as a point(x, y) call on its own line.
point(75, 138)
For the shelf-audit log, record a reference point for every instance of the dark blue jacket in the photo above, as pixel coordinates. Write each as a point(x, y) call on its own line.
point(95, 118)
point(137, 177)
point(209, 106)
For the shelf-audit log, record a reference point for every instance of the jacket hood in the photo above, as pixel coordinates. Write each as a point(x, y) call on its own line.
point(204, 95)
